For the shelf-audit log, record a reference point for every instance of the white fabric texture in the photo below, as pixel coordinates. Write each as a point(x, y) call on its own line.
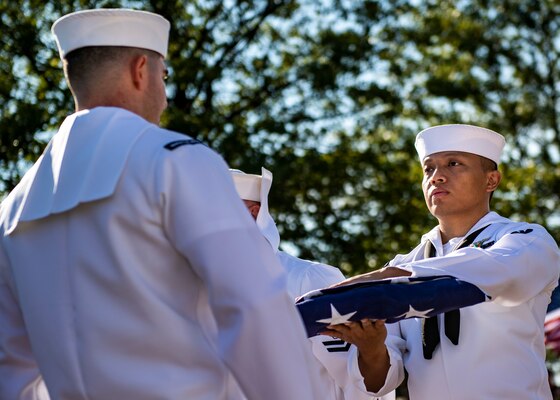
point(111, 27)
point(112, 295)
point(248, 186)
point(501, 351)
point(459, 137)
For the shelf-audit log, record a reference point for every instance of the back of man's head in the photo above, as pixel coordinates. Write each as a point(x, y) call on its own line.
point(97, 45)
point(97, 69)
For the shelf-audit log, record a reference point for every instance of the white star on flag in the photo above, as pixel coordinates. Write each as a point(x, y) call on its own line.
point(336, 318)
point(415, 313)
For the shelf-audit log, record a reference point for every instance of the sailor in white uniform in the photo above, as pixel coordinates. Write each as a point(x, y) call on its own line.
point(493, 350)
point(305, 276)
point(124, 243)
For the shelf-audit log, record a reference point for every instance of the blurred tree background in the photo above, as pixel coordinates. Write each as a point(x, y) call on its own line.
point(328, 95)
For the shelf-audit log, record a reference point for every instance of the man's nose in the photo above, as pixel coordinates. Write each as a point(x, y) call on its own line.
point(438, 176)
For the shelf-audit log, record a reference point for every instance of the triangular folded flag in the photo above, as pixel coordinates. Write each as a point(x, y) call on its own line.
point(389, 299)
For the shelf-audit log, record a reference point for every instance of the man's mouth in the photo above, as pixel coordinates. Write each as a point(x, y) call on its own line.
point(439, 193)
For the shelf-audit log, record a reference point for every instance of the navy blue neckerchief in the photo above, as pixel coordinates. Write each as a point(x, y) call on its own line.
point(452, 322)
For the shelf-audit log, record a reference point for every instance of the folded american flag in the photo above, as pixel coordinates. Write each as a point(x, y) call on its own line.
point(389, 299)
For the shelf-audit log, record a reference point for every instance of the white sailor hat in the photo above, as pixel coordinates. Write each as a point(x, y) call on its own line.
point(248, 185)
point(256, 188)
point(111, 27)
point(458, 137)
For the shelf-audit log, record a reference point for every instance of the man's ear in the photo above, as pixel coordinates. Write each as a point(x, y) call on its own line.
point(494, 178)
point(139, 71)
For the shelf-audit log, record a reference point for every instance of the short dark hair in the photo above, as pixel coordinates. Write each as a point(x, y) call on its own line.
point(82, 64)
point(487, 164)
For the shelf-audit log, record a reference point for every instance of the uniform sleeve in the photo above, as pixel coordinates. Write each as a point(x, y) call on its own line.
point(260, 335)
point(324, 276)
point(19, 376)
point(519, 266)
point(314, 276)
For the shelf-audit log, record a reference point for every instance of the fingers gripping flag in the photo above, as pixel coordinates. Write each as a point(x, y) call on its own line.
point(389, 299)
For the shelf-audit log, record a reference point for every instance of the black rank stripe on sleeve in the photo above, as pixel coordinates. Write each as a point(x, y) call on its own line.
point(178, 143)
point(335, 346)
point(523, 232)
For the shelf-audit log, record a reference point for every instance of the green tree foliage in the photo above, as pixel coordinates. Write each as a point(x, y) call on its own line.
point(328, 95)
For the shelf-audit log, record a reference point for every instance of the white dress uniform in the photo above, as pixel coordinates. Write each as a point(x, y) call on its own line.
point(304, 276)
point(118, 250)
point(501, 351)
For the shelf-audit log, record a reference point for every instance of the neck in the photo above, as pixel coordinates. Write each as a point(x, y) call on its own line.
point(106, 101)
point(105, 92)
point(457, 227)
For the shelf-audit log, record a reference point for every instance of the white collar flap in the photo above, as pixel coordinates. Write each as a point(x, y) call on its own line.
point(82, 162)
